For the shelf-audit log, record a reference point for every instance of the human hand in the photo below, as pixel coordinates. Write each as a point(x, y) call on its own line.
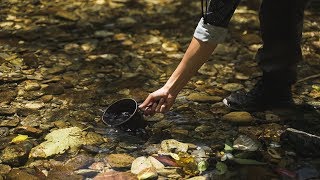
point(160, 101)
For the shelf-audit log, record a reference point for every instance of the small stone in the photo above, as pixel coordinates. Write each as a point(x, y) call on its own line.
point(199, 97)
point(140, 164)
point(119, 160)
point(79, 162)
point(208, 69)
point(170, 46)
point(241, 76)
point(16, 154)
point(272, 117)
point(4, 131)
point(232, 87)
point(46, 98)
point(34, 105)
point(7, 111)
point(28, 130)
point(149, 173)
point(60, 124)
point(126, 21)
point(56, 69)
point(4, 169)
point(238, 117)
point(32, 86)
point(54, 89)
point(115, 175)
point(20, 174)
point(9, 122)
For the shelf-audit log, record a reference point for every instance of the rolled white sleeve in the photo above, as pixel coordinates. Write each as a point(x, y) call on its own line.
point(210, 33)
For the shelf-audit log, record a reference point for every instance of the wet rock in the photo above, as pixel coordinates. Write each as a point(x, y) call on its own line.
point(9, 122)
point(126, 21)
point(46, 98)
point(199, 97)
point(304, 143)
point(20, 174)
point(245, 143)
point(232, 87)
point(173, 173)
point(272, 117)
point(53, 89)
point(34, 105)
point(170, 46)
point(4, 169)
point(31, 120)
point(241, 76)
point(79, 162)
point(87, 172)
point(28, 130)
point(60, 172)
point(172, 145)
point(152, 149)
point(238, 117)
point(115, 175)
point(251, 39)
point(119, 160)
point(149, 173)
point(219, 108)
point(26, 112)
point(7, 95)
point(5, 111)
point(16, 154)
point(57, 69)
point(31, 95)
point(208, 69)
point(31, 86)
point(140, 164)
point(4, 131)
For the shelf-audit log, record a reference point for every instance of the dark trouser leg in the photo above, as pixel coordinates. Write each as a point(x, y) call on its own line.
point(281, 23)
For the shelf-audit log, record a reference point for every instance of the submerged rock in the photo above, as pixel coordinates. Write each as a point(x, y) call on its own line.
point(16, 154)
point(199, 97)
point(238, 117)
point(119, 160)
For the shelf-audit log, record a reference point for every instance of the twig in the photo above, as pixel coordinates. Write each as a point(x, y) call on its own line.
point(309, 77)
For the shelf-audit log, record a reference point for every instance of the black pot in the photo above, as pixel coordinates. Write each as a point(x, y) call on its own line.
point(124, 114)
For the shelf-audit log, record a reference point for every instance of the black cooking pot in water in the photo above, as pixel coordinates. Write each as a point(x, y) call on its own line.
point(124, 114)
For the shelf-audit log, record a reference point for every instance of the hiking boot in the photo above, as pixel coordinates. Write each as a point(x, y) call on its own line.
point(261, 97)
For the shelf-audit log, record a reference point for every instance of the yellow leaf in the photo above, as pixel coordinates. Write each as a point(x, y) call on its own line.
point(19, 138)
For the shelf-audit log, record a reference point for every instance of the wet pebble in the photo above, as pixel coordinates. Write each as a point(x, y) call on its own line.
point(4, 169)
point(199, 97)
point(81, 161)
point(4, 111)
point(4, 131)
point(119, 160)
point(232, 87)
point(34, 105)
point(20, 174)
point(16, 154)
point(9, 122)
point(31, 86)
point(28, 130)
point(238, 117)
point(54, 89)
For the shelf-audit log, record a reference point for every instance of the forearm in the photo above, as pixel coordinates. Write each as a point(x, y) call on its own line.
point(196, 55)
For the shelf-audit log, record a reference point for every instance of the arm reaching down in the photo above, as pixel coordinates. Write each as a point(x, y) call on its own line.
point(162, 100)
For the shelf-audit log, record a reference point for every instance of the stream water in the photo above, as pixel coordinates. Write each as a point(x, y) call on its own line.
point(63, 62)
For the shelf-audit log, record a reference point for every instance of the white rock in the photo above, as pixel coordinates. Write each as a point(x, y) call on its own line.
point(140, 164)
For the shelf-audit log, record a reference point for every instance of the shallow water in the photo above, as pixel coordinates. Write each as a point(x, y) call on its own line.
point(63, 61)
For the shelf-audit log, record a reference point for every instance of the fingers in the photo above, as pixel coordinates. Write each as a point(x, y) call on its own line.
point(161, 102)
point(147, 102)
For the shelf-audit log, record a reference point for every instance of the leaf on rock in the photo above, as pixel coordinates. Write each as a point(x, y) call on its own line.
point(58, 141)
